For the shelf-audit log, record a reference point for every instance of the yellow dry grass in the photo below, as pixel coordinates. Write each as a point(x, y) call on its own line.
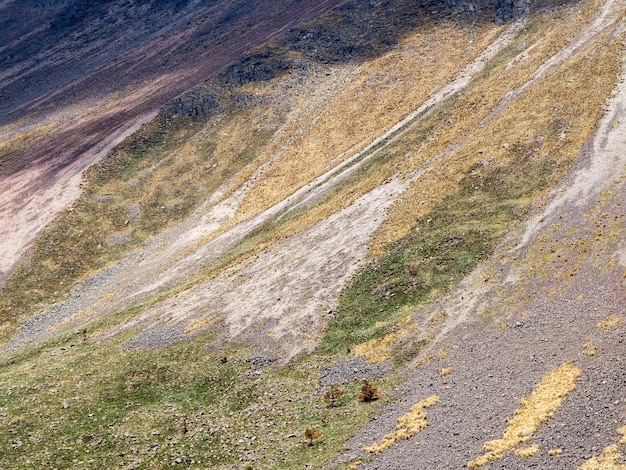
point(555, 452)
point(423, 359)
point(610, 457)
point(566, 94)
point(5, 327)
point(607, 460)
point(609, 323)
point(527, 451)
point(377, 350)
point(535, 409)
point(589, 349)
point(408, 425)
point(4, 130)
point(200, 323)
point(375, 95)
point(226, 142)
point(446, 371)
point(20, 140)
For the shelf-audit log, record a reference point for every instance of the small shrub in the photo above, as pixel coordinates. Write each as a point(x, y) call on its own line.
point(310, 434)
point(332, 396)
point(185, 424)
point(368, 392)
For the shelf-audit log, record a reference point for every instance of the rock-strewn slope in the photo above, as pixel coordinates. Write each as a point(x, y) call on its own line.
point(443, 200)
point(552, 294)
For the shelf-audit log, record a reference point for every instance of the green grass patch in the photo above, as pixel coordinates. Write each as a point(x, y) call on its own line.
point(444, 247)
point(67, 402)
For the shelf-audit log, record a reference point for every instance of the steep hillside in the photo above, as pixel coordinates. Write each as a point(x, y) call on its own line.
point(77, 76)
point(426, 196)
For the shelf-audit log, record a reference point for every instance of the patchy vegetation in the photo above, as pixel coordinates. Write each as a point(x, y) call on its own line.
point(408, 425)
point(69, 400)
point(535, 409)
point(473, 166)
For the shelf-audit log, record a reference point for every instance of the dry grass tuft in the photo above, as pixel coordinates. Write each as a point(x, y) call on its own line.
point(446, 371)
point(609, 323)
point(200, 323)
point(502, 326)
point(377, 350)
point(535, 409)
point(607, 460)
point(589, 349)
point(527, 451)
point(5, 327)
point(408, 425)
point(422, 360)
point(555, 452)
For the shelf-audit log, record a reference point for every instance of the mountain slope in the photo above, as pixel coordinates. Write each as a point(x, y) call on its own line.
point(78, 76)
point(432, 204)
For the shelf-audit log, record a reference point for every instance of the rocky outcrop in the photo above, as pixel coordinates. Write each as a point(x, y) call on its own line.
point(193, 104)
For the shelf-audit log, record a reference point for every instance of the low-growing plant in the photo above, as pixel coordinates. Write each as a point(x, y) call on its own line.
point(310, 434)
point(368, 392)
point(332, 396)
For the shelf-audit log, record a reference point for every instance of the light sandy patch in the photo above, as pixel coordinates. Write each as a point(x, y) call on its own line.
point(281, 298)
